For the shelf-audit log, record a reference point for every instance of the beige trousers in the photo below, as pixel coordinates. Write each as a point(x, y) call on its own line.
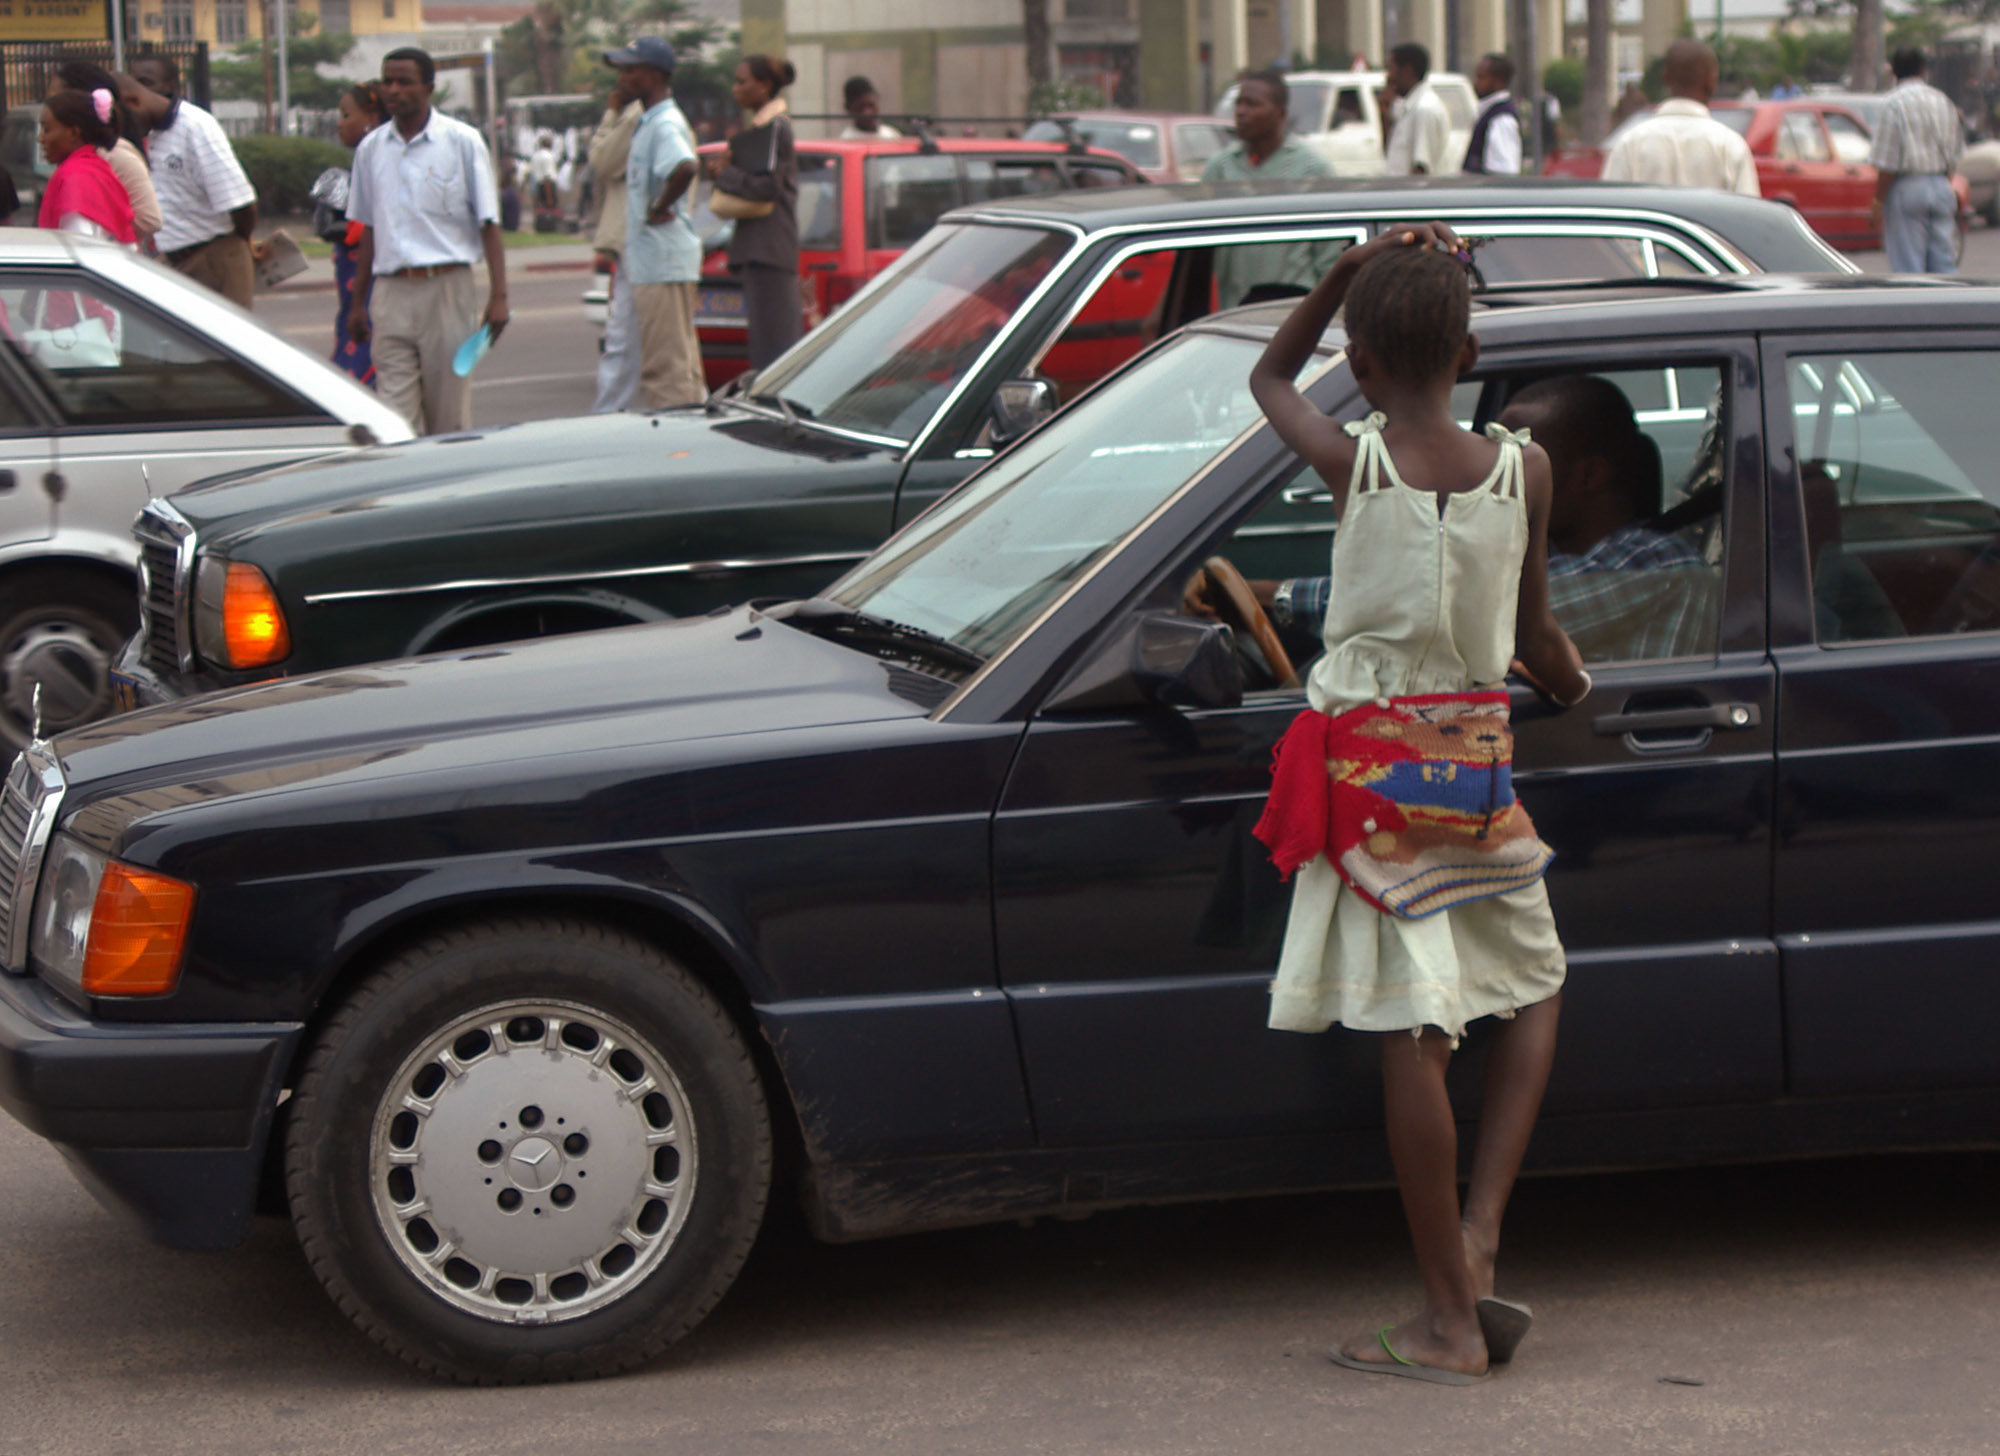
point(223, 264)
point(417, 325)
point(669, 353)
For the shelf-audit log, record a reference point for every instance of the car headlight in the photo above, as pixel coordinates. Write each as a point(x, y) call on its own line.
point(108, 928)
point(238, 621)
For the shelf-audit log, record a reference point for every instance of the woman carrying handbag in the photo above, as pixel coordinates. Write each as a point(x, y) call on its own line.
point(758, 189)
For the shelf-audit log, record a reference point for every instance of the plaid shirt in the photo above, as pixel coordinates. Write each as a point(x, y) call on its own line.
point(1920, 131)
point(1635, 595)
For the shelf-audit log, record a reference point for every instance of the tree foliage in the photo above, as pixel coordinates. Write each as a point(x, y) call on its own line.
point(239, 76)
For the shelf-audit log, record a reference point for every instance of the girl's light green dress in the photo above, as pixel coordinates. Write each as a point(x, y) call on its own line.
point(1423, 601)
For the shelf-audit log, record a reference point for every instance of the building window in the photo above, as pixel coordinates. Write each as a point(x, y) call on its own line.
point(180, 19)
point(232, 22)
point(333, 17)
point(1097, 9)
point(388, 9)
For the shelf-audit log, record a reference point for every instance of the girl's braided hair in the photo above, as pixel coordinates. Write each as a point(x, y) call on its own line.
point(1411, 308)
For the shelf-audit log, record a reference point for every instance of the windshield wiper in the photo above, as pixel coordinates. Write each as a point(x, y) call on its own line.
point(861, 629)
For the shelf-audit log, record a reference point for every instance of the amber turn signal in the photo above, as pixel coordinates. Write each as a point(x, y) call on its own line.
point(138, 928)
point(253, 624)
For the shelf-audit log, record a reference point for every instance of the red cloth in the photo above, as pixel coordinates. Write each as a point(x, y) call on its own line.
point(1297, 822)
point(85, 185)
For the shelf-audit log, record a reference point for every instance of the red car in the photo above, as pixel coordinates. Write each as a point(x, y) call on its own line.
point(1167, 146)
point(1810, 153)
point(861, 203)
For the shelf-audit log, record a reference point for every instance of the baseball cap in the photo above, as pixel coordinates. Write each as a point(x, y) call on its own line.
point(647, 50)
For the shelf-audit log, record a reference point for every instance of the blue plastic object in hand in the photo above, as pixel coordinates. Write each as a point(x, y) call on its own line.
point(472, 351)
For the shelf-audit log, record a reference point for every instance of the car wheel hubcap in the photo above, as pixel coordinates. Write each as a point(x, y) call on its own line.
point(532, 1162)
point(73, 671)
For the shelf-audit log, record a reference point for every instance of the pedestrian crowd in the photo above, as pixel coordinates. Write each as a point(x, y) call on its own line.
point(421, 208)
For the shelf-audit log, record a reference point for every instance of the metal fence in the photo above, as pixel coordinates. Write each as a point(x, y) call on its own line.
point(26, 65)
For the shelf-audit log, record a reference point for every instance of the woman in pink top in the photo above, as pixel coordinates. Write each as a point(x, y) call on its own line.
point(84, 196)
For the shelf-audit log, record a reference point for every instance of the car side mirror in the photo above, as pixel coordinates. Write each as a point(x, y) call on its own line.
point(1157, 659)
point(1018, 406)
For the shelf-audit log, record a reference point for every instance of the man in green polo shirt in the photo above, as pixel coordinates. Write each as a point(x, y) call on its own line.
point(1265, 151)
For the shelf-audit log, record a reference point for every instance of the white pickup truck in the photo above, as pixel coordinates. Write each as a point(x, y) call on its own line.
point(1336, 111)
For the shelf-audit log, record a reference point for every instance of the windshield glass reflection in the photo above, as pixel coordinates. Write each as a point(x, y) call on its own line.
point(885, 362)
point(979, 568)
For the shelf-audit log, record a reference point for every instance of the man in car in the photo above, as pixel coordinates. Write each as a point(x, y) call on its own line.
point(1266, 151)
point(1680, 144)
point(1622, 589)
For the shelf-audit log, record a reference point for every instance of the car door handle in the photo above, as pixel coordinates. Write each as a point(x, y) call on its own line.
point(1658, 720)
point(1306, 495)
point(6, 480)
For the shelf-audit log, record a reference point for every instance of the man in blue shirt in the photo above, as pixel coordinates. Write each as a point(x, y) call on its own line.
point(662, 262)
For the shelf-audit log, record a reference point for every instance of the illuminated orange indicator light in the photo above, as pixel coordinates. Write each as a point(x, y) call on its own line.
point(138, 928)
point(253, 624)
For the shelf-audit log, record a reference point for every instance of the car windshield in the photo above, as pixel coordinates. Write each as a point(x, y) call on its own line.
point(982, 566)
point(1138, 142)
point(884, 363)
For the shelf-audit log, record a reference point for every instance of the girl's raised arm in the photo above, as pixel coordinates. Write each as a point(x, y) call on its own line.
point(1318, 439)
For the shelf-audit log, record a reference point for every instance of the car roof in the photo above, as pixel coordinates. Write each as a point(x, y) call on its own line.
point(1160, 117)
point(1096, 209)
point(1666, 308)
point(34, 245)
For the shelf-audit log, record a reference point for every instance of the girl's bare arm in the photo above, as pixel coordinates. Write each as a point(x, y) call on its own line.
point(1546, 655)
point(1320, 441)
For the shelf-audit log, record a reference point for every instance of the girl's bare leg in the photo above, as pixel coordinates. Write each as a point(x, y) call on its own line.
point(1423, 1141)
point(1515, 1078)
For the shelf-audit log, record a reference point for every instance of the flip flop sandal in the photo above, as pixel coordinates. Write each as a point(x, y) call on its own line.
point(1408, 1368)
point(1505, 1325)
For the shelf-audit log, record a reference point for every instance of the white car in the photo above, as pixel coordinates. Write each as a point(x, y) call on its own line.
point(123, 380)
point(1337, 112)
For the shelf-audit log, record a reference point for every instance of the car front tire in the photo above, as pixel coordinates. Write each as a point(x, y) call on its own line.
point(528, 1149)
point(60, 628)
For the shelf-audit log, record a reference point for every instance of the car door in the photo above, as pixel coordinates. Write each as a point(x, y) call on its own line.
point(1886, 624)
point(1808, 176)
point(1138, 923)
point(145, 404)
point(27, 460)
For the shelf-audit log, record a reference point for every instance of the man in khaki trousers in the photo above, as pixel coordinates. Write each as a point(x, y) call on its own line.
point(422, 188)
point(662, 262)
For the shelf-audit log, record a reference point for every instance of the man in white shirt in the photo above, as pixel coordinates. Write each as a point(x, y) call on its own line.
point(1917, 146)
point(864, 112)
point(1680, 144)
point(422, 188)
point(208, 209)
point(1495, 143)
point(1420, 141)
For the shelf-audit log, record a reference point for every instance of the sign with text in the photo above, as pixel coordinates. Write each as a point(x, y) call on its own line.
point(52, 20)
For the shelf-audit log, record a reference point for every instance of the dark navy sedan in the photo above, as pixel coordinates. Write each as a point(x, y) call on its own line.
point(525, 971)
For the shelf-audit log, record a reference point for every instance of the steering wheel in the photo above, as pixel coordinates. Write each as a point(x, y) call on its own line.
point(1230, 597)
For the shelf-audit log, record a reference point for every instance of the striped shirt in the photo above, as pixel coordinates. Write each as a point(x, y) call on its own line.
point(196, 178)
point(1920, 131)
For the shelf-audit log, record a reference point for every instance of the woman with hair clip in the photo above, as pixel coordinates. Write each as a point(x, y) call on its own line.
point(763, 172)
point(125, 158)
point(361, 111)
point(84, 196)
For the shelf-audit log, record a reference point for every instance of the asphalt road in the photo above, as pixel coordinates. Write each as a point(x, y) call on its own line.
point(1847, 1308)
point(1839, 1308)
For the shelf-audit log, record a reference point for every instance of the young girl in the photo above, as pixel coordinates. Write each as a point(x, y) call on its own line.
point(84, 195)
point(1434, 914)
point(361, 111)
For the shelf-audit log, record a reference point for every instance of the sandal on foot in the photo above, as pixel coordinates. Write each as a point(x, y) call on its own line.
point(1505, 1325)
point(1397, 1365)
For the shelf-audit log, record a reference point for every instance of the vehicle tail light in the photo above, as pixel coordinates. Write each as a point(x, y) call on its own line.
point(238, 619)
point(138, 929)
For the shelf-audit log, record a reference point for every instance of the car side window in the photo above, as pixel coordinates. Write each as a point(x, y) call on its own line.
point(1635, 565)
point(1547, 258)
point(1194, 143)
point(1086, 173)
point(1900, 493)
point(106, 360)
point(1851, 143)
point(907, 192)
point(1801, 140)
point(989, 178)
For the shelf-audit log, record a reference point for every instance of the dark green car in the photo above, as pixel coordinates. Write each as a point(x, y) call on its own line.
point(996, 316)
